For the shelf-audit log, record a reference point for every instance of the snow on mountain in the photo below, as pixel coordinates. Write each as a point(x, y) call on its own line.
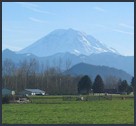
point(15, 57)
point(61, 41)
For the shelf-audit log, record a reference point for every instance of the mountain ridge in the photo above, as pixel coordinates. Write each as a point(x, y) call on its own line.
point(125, 63)
point(93, 71)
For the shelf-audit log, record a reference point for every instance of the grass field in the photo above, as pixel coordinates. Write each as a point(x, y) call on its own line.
point(57, 111)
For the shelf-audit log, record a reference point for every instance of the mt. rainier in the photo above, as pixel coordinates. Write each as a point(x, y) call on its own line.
point(62, 41)
point(77, 47)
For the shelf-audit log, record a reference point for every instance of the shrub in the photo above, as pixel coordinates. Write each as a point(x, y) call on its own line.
point(5, 99)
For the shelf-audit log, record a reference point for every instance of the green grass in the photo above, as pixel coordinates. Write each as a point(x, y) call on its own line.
point(114, 111)
point(64, 99)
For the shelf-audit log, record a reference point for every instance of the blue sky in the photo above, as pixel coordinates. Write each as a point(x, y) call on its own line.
point(112, 23)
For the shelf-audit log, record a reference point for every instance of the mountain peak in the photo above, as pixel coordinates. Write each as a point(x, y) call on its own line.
point(7, 51)
point(71, 29)
point(66, 40)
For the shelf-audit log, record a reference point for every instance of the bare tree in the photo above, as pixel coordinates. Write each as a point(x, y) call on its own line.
point(8, 69)
point(111, 82)
point(68, 64)
point(28, 75)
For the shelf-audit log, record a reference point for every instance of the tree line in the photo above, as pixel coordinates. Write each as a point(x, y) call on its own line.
point(31, 74)
point(85, 85)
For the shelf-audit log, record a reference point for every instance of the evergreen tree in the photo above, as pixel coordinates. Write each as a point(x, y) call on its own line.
point(85, 84)
point(129, 89)
point(123, 86)
point(132, 82)
point(98, 86)
point(118, 84)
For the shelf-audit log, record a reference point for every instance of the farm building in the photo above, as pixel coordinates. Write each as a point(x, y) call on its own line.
point(6, 91)
point(32, 92)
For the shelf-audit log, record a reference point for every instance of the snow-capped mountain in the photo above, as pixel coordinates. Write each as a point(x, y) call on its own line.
point(62, 41)
point(74, 46)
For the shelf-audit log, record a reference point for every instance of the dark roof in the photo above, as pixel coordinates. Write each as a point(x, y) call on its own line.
point(6, 91)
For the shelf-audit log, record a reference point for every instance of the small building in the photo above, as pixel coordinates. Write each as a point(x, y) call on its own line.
point(32, 92)
point(6, 91)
